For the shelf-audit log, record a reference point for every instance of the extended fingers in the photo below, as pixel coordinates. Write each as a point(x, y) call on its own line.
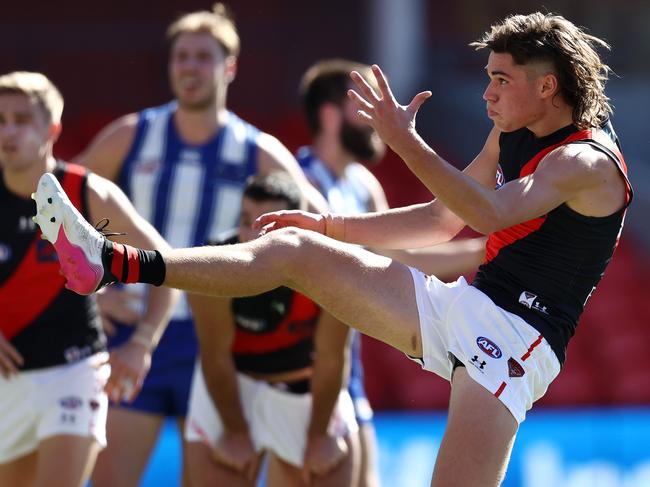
point(365, 89)
point(418, 100)
point(382, 83)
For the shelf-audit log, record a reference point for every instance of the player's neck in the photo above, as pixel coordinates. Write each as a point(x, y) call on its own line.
point(330, 151)
point(196, 127)
point(552, 121)
point(23, 181)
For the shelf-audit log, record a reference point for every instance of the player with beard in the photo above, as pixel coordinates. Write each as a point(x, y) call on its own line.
point(184, 166)
point(332, 164)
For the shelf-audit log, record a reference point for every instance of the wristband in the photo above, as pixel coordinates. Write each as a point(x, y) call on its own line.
point(334, 226)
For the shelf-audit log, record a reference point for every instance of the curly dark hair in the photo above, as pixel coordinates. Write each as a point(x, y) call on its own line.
point(548, 37)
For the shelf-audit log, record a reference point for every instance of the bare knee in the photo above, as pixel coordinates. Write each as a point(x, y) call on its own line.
point(289, 250)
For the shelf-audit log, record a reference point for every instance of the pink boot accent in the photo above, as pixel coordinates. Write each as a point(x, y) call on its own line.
point(82, 276)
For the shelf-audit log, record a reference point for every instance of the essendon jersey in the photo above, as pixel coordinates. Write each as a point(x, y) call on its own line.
point(274, 331)
point(47, 324)
point(545, 269)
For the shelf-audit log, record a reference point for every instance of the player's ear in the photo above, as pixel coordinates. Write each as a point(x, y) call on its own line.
point(231, 68)
point(549, 85)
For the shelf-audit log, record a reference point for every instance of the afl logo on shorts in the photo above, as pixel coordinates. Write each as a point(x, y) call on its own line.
point(488, 347)
point(500, 177)
point(5, 253)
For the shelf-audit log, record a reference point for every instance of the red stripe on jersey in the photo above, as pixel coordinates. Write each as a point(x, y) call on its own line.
point(508, 236)
point(500, 389)
point(36, 282)
point(133, 263)
point(297, 325)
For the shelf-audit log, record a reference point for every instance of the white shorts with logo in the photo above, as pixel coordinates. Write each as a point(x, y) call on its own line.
point(62, 400)
point(499, 349)
point(277, 420)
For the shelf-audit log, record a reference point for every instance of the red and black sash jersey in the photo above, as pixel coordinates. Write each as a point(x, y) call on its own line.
point(274, 330)
point(545, 269)
point(48, 324)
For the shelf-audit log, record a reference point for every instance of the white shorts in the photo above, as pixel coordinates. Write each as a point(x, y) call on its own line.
point(499, 349)
point(277, 420)
point(62, 400)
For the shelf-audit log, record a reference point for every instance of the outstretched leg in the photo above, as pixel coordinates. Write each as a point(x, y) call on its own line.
point(369, 292)
point(364, 290)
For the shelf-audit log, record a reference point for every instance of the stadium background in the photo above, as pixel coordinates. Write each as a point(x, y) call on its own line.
point(591, 429)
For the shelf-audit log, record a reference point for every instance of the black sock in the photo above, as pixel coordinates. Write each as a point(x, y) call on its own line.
point(127, 264)
point(152, 267)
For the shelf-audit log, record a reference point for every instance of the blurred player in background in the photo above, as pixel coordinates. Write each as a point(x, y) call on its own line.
point(183, 165)
point(335, 163)
point(53, 358)
point(276, 368)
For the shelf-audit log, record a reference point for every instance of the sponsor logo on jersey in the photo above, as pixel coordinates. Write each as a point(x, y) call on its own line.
point(94, 404)
point(515, 369)
point(500, 179)
point(531, 301)
point(5, 253)
point(489, 347)
point(147, 166)
point(250, 324)
point(26, 224)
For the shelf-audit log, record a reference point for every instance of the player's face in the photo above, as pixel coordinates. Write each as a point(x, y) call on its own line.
point(511, 95)
point(357, 138)
point(199, 70)
point(250, 210)
point(24, 132)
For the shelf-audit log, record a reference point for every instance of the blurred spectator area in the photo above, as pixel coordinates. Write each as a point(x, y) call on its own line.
point(109, 59)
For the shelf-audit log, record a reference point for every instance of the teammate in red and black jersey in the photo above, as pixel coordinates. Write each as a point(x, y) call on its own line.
point(53, 360)
point(281, 338)
point(545, 78)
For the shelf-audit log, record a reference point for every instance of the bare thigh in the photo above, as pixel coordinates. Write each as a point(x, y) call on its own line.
point(131, 436)
point(80, 455)
point(346, 474)
point(21, 471)
point(369, 292)
point(480, 433)
point(205, 472)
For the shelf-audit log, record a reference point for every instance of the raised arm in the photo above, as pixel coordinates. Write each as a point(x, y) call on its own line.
point(107, 151)
point(131, 362)
point(414, 226)
point(569, 174)
point(274, 156)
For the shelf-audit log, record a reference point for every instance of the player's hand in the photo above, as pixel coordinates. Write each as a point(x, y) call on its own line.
point(236, 451)
point(118, 304)
point(129, 366)
point(322, 455)
point(392, 121)
point(10, 359)
point(290, 218)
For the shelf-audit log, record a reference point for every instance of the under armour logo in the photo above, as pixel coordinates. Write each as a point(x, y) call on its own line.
point(479, 363)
